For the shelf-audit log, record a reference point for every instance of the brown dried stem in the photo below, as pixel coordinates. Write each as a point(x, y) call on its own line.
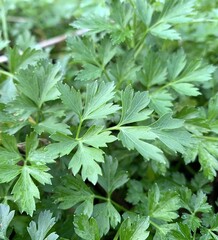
point(50, 42)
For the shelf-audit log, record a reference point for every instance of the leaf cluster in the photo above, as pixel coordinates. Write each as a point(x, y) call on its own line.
point(113, 135)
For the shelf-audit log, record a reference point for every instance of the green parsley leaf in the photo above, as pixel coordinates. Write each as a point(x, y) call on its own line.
point(195, 72)
point(208, 158)
point(88, 73)
point(176, 64)
point(7, 173)
point(94, 24)
point(186, 89)
point(161, 205)
point(142, 8)
point(86, 158)
point(171, 133)
point(19, 60)
point(9, 153)
point(161, 101)
point(121, 15)
point(5, 218)
point(181, 232)
point(21, 108)
point(95, 137)
point(43, 82)
point(135, 193)
point(173, 12)
point(71, 98)
point(87, 155)
point(8, 91)
point(125, 69)
point(196, 203)
point(73, 191)
point(83, 50)
point(65, 145)
point(96, 102)
point(213, 108)
point(86, 228)
point(51, 125)
point(210, 229)
point(112, 178)
point(133, 229)
point(132, 138)
point(153, 72)
point(206, 150)
point(25, 191)
point(106, 215)
point(40, 230)
point(165, 31)
point(184, 79)
point(133, 106)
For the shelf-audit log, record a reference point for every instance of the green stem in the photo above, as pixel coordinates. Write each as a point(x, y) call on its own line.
point(119, 83)
point(140, 45)
point(4, 23)
point(117, 235)
point(163, 87)
point(119, 206)
point(101, 198)
point(134, 29)
point(114, 203)
point(194, 236)
point(215, 139)
point(107, 75)
point(7, 74)
point(155, 225)
point(38, 116)
point(190, 170)
point(6, 197)
point(117, 127)
point(79, 128)
point(131, 2)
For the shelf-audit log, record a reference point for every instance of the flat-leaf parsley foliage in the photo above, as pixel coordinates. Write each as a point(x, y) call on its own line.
point(113, 135)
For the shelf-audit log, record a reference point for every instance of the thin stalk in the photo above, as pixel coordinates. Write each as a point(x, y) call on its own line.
point(4, 24)
point(117, 127)
point(134, 28)
point(119, 206)
point(119, 83)
point(39, 116)
point(117, 235)
point(31, 120)
point(131, 2)
point(155, 225)
point(107, 75)
point(6, 197)
point(8, 74)
point(210, 138)
point(101, 198)
point(114, 203)
point(140, 45)
point(194, 236)
point(79, 128)
point(163, 87)
point(190, 170)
